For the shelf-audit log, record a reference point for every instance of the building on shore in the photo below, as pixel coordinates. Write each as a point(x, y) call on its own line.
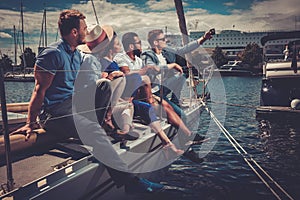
point(233, 42)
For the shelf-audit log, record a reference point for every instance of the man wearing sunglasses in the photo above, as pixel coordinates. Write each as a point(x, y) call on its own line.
point(161, 55)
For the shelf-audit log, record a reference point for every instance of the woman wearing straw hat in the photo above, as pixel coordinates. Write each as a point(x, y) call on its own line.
point(97, 41)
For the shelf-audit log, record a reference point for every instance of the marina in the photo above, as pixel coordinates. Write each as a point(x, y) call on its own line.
point(246, 113)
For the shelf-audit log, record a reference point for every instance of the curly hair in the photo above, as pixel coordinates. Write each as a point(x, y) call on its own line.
point(69, 19)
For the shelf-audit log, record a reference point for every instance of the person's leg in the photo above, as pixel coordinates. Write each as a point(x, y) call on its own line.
point(147, 112)
point(174, 119)
point(133, 82)
point(102, 98)
point(117, 86)
point(166, 142)
point(144, 111)
point(123, 115)
point(59, 120)
point(175, 83)
point(145, 93)
point(177, 109)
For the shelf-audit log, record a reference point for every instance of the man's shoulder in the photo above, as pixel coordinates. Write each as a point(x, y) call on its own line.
point(55, 45)
point(148, 52)
point(52, 49)
point(87, 57)
point(122, 59)
point(120, 56)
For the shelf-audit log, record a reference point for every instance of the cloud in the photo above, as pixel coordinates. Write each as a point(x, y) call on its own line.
point(162, 5)
point(5, 35)
point(269, 15)
point(263, 15)
point(229, 4)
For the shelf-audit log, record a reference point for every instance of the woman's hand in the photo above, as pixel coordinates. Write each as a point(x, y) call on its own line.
point(115, 74)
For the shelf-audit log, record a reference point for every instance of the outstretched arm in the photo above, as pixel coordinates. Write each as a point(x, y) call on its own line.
point(192, 45)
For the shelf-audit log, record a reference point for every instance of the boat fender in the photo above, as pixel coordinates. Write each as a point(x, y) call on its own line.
point(295, 104)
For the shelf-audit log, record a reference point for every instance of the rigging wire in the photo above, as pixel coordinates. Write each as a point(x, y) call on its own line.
point(247, 157)
point(95, 12)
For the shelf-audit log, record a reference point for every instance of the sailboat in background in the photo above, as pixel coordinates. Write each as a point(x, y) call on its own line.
point(26, 74)
point(43, 35)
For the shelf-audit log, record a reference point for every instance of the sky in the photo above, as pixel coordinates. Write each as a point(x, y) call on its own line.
point(142, 15)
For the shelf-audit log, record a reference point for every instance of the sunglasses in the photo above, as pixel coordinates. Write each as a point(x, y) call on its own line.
point(139, 42)
point(162, 39)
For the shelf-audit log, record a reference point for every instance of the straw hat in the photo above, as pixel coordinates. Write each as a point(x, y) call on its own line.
point(97, 39)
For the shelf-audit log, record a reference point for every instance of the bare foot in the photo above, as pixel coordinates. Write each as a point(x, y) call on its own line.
point(173, 148)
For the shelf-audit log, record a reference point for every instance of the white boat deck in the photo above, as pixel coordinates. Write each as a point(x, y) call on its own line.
point(70, 163)
point(281, 70)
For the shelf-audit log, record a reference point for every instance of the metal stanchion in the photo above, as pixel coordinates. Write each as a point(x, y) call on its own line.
point(10, 180)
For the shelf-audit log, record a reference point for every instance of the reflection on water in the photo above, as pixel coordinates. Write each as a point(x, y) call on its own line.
point(281, 143)
point(274, 144)
point(18, 91)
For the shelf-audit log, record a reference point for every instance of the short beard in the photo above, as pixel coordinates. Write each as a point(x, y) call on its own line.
point(80, 40)
point(137, 52)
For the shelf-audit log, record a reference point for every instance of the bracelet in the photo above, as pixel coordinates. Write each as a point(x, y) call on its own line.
point(33, 123)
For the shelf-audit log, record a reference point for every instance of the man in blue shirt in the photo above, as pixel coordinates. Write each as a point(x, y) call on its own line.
point(56, 68)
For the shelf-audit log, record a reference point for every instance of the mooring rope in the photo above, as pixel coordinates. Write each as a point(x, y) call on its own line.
point(247, 157)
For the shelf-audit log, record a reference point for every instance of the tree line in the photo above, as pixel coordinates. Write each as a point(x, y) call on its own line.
point(28, 58)
point(250, 56)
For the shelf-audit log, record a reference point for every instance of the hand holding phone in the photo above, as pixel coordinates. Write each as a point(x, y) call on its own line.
point(212, 31)
point(208, 34)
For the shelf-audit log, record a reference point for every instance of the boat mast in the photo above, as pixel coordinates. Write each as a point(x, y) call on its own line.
point(23, 43)
point(43, 35)
point(16, 46)
point(22, 24)
point(185, 40)
point(45, 27)
point(182, 23)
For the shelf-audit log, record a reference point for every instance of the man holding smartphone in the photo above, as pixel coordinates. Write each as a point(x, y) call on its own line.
point(161, 55)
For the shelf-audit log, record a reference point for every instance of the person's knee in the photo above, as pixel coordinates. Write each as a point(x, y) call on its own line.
point(166, 105)
point(118, 82)
point(103, 84)
point(146, 79)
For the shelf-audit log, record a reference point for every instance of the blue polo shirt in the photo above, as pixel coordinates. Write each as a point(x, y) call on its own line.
point(59, 60)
